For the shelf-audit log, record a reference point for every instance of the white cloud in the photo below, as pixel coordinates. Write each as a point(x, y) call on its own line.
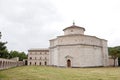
point(23, 22)
point(31, 23)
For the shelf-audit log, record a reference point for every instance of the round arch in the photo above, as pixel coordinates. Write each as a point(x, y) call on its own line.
point(68, 63)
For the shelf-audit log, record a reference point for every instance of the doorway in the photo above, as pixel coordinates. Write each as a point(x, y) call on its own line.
point(118, 61)
point(45, 63)
point(68, 63)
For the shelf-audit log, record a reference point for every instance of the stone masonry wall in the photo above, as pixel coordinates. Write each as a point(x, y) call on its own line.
point(8, 63)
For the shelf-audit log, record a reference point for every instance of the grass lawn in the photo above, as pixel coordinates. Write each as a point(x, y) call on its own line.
point(53, 73)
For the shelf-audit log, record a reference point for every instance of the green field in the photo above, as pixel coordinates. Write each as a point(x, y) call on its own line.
point(53, 73)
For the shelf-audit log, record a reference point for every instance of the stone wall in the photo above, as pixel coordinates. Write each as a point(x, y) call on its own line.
point(8, 63)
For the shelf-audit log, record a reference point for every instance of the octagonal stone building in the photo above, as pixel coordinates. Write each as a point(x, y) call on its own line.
point(74, 49)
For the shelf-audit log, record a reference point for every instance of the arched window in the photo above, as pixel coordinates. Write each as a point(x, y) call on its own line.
point(30, 57)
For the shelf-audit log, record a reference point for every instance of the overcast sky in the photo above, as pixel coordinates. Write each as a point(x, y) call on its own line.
point(29, 24)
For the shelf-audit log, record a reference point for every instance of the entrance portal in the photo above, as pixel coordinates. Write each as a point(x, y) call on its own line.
point(68, 63)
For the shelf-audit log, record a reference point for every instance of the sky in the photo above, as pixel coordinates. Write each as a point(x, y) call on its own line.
point(29, 24)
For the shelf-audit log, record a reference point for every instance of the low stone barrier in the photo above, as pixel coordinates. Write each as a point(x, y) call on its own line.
point(8, 63)
point(20, 63)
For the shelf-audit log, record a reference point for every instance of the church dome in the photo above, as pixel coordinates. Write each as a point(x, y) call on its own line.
point(73, 30)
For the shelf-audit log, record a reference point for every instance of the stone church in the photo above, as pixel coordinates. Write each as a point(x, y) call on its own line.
point(73, 49)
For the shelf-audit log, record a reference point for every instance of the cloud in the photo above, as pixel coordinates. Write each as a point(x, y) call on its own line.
point(32, 23)
point(23, 23)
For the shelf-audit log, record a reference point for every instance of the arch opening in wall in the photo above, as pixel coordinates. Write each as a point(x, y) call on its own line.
point(35, 63)
point(30, 63)
point(40, 63)
point(68, 63)
point(45, 63)
point(0, 63)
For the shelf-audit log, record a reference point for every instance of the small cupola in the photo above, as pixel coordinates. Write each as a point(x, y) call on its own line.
point(74, 30)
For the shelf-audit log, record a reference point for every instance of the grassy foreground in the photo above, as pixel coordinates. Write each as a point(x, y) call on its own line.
point(53, 73)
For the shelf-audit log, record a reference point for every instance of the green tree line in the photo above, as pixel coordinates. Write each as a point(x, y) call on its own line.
point(4, 53)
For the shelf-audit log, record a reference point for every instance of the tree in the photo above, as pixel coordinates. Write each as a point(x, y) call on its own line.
point(13, 54)
point(21, 55)
point(114, 52)
point(3, 50)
